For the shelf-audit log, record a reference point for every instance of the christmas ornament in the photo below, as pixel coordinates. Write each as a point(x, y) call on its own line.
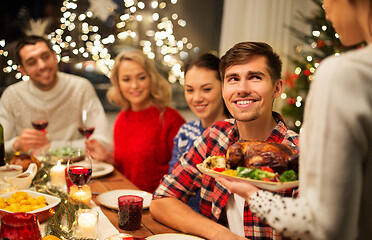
point(102, 9)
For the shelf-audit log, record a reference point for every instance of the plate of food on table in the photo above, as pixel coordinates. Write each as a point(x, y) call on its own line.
point(110, 199)
point(267, 165)
point(64, 153)
point(40, 204)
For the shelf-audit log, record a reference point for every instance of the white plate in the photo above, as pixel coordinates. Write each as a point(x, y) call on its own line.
point(271, 186)
point(173, 236)
point(110, 199)
point(99, 169)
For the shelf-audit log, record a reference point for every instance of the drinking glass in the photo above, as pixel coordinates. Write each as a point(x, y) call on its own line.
point(130, 212)
point(15, 226)
point(39, 120)
point(86, 224)
point(79, 174)
point(87, 123)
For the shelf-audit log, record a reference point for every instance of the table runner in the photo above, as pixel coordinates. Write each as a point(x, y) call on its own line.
point(105, 227)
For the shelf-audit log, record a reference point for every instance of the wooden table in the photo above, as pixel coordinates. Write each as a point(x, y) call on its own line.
point(116, 180)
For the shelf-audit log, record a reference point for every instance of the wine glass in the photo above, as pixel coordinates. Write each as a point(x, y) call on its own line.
point(39, 120)
point(87, 123)
point(79, 173)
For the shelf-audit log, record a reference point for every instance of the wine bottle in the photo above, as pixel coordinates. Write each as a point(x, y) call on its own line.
point(2, 150)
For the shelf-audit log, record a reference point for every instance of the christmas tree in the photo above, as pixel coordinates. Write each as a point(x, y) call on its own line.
point(321, 42)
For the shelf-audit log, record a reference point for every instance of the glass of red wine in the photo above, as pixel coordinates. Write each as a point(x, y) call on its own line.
point(87, 123)
point(79, 173)
point(39, 120)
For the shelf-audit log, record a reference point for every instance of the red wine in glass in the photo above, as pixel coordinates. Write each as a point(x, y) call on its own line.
point(79, 175)
point(86, 131)
point(40, 124)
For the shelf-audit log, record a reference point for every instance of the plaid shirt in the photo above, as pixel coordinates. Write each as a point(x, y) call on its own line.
point(185, 180)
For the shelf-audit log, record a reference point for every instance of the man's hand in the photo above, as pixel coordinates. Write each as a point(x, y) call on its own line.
point(178, 215)
point(31, 139)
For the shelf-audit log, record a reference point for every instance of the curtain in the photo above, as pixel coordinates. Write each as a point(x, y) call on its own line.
point(265, 21)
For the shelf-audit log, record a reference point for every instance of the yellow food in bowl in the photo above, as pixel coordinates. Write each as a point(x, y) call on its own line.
point(22, 202)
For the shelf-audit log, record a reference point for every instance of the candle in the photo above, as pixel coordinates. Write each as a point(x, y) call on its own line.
point(87, 221)
point(57, 174)
point(84, 194)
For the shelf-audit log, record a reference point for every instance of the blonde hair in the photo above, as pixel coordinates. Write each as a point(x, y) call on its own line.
point(160, 92)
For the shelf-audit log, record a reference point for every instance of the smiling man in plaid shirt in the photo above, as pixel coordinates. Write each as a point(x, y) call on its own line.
point(251, 81)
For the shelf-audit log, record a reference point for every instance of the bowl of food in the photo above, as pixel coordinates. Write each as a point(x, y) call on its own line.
point(267, 165)
point(10, 170)
point(40, 204)
point(62, 154)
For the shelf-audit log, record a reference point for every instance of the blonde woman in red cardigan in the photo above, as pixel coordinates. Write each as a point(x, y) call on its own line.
point(145, 128)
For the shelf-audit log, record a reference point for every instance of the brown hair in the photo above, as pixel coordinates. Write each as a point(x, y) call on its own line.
point(29, 40)
point(244, 51)
point(211, 62)
point(160, 92)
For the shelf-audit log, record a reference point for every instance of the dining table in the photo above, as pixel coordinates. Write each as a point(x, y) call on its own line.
point(114, 181)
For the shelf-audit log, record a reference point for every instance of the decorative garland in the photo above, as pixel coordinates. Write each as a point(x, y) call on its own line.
point(61, 223)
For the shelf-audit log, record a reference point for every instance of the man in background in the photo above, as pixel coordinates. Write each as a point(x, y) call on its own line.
point(61, 96)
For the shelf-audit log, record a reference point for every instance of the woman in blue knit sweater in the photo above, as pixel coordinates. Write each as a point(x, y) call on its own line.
point(204, 97)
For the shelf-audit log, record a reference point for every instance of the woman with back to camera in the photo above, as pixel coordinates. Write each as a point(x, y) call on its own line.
point(335, 144)
point(145, 128)
point(204, 97)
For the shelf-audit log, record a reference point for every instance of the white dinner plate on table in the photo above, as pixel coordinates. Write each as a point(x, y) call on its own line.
point(173, 236)
point(110, 199)
point(100, 169)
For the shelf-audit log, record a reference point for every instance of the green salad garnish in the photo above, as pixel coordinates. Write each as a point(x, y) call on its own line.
point(67, 151)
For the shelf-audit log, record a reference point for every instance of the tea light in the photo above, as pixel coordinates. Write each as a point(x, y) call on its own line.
point(57, 174)
point(87, 221)
point(84, 194)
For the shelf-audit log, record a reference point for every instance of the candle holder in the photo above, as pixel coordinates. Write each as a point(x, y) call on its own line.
point(15, 226)
point(83, 194)
point(57, 175)
point(130, 212)
point(86, 224)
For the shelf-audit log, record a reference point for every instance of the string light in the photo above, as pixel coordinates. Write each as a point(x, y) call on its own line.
point(160, 42)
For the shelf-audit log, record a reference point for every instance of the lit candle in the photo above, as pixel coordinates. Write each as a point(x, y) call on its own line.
point(84, 194)
point(57, 174)
point(87, 223)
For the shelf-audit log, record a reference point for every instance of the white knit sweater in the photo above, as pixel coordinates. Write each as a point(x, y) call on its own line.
point(63, 104)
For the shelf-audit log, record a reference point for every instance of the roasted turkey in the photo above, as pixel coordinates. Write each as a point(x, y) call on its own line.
point(24, 160)
point(255, 153)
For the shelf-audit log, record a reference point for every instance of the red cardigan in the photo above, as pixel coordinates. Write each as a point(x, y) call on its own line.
point(143, 144)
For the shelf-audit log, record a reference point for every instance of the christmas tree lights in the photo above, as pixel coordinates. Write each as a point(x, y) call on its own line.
point(82, 43)
point(321, 42)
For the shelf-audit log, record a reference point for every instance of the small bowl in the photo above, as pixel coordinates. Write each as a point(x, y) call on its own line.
point(10, 171)
point(42, 213)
